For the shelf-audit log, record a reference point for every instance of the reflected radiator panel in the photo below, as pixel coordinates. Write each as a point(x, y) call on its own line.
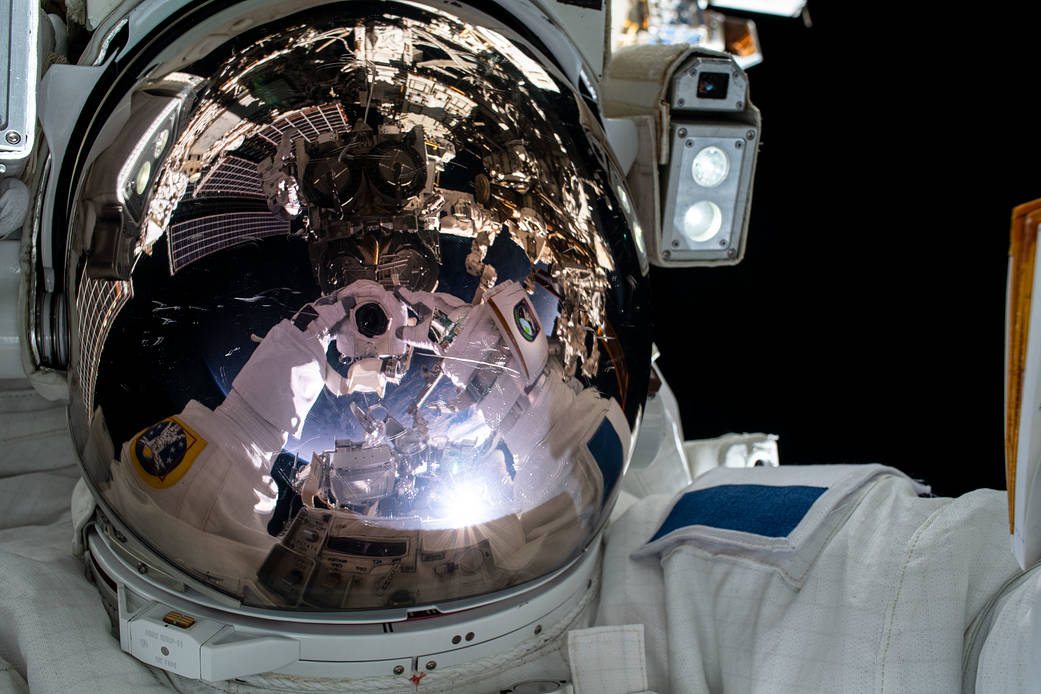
point(198, 238)
point(98, 302)
point(308, 122)
point(232, 176)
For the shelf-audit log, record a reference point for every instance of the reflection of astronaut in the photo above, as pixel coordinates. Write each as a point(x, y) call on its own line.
point(498, 455)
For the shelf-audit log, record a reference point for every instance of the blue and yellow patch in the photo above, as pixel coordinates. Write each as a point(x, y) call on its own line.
point(164, 452)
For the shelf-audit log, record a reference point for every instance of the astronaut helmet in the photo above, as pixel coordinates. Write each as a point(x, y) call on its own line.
point(358, 331)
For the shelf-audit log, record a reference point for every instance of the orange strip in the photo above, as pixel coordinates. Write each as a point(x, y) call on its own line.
point(1022, 252)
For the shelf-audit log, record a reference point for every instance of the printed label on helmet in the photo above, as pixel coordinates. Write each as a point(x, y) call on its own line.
point(527, 323)
point(164, 452)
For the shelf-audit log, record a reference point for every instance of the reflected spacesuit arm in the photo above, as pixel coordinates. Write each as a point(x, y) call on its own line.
point(276, 388)
point(210, 469)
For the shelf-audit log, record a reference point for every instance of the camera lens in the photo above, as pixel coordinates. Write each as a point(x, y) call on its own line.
point(713, 85)
point(371, 319)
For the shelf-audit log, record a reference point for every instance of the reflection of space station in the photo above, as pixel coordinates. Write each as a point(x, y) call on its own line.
point(325, 557)
point(415, 139)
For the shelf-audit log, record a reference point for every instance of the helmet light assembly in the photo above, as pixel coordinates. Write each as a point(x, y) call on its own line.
point(707, 181)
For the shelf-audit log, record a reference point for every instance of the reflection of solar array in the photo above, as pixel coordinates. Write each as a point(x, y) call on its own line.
point(232, 176)
point(308, 122)
point(98, 302)
point(197, 238)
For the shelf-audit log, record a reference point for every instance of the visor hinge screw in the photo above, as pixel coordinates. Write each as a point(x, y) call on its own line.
point(399, 669)
point(13, 138)
point(431, 664)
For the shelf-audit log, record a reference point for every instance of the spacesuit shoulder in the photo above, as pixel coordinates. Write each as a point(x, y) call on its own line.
point(779, 517)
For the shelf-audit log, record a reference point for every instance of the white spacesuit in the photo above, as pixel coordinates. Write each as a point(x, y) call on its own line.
point(871, 586)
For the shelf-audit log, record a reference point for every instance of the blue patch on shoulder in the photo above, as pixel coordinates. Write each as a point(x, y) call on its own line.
point(606, 449)
point(749, 508)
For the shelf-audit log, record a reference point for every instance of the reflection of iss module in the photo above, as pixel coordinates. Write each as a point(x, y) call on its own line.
point(332, 559)
point(426, 510)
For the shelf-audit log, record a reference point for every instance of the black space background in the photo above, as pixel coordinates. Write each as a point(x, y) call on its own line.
point(866, 323)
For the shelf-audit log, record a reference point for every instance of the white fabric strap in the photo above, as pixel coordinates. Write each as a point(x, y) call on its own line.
point(608, 660)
